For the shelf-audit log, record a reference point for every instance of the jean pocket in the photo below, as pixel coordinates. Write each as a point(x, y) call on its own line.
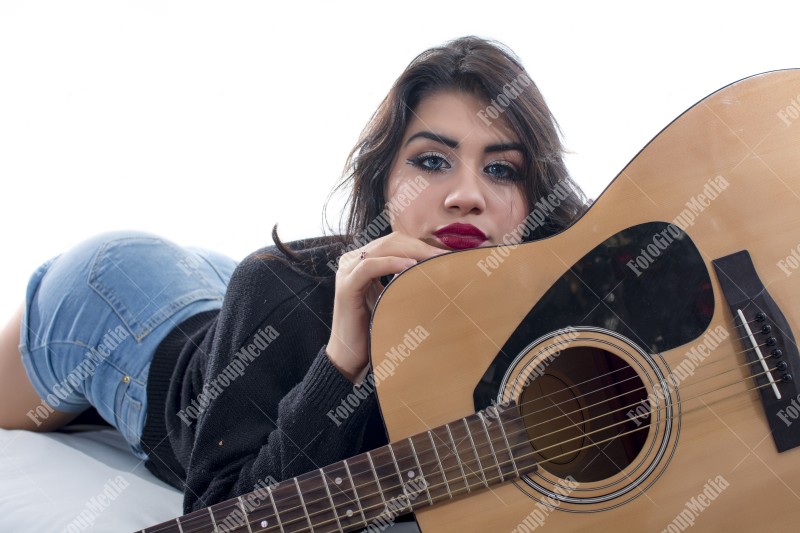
point(128, 413)
point(146, 280)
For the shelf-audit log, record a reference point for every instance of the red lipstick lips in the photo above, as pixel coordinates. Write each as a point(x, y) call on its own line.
point(460, 236)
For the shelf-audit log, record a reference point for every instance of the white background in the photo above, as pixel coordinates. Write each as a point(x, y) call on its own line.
point(207, 122)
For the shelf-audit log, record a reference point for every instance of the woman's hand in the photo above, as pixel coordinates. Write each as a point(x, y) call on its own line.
point(357, 289)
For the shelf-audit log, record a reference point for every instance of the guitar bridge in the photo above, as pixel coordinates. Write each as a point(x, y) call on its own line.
point(769, 345)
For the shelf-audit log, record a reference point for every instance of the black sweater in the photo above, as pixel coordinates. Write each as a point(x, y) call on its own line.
point(263, 414)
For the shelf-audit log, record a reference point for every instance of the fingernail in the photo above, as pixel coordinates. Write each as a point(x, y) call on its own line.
point(409, 263)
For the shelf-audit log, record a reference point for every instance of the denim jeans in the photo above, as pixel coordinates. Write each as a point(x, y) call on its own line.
point(95, 315)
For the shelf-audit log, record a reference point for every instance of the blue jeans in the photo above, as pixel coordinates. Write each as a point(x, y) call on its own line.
point(95, 315)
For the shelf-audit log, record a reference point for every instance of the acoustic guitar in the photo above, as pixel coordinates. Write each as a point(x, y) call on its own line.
point(636, 372)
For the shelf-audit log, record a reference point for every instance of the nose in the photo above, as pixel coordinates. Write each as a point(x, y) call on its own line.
point(465, 194)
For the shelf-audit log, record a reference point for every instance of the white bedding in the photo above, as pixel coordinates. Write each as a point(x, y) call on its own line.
point(81, 482)
point(78, 482)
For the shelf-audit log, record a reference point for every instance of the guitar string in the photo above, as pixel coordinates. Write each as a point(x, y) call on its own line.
point(598, 403)
point(609, 399)
point(467, 489)
point(643, 387)
point(759, 330)
point(586, 408)
point(707, 365)
point(738, 323)
point(499, 441)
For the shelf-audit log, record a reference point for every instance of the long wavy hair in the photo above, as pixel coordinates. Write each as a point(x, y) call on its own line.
point(488, 70)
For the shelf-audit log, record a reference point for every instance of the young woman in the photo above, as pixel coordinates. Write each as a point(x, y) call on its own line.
point(221, 376)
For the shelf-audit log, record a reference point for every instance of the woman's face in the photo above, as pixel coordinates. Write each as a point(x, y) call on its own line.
point(456, 181)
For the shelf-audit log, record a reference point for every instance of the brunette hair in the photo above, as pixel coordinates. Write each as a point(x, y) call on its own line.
point(490, 71)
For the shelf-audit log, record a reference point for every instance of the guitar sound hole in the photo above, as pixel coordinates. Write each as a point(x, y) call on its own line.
point(578, 410)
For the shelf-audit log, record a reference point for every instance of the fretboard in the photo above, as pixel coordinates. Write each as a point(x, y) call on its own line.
point(376, 487)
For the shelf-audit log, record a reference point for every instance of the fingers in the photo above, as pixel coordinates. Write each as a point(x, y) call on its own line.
point(400, 245)
point(383, 257)
point(358, 288)
point(393, 245)
point(377, 267)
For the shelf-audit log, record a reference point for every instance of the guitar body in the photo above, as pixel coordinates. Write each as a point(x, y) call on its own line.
point(622, 293)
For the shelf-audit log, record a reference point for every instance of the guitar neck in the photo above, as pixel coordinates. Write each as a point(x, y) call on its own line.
point(374, 488)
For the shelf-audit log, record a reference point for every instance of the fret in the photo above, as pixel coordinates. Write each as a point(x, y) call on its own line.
point(361, 489)
point(346, 505)
point(365, 479)
point(258, 509)
point(303, 503)
point(328, 491)
point(491, 446)
point(466, 454)
point(227, 515)
point(246, 517)
point(355, 492)
point(396, 466)
point(277, 513)
point(377, 479)
point(458, 457)
point(474, 449)
point(520, 448)
point(317, 500)
point(413, 483)
point(408, 491)
point(508, 446)
point(441, 465)
point(453, 465)
point(387, 468)
point(500, 447)
point(211, 514)
point(194, 521)
point(421, 472)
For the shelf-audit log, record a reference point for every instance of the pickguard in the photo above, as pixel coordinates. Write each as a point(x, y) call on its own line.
point(647, 282)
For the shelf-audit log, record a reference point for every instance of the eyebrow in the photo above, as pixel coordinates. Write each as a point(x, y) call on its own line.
point(501, 147)
point(434, 137)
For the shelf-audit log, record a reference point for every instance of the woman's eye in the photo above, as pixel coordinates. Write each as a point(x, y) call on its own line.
point(430, 162)
point(502, 171)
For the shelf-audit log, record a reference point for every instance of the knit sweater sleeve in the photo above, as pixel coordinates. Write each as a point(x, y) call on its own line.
point(269, 389)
